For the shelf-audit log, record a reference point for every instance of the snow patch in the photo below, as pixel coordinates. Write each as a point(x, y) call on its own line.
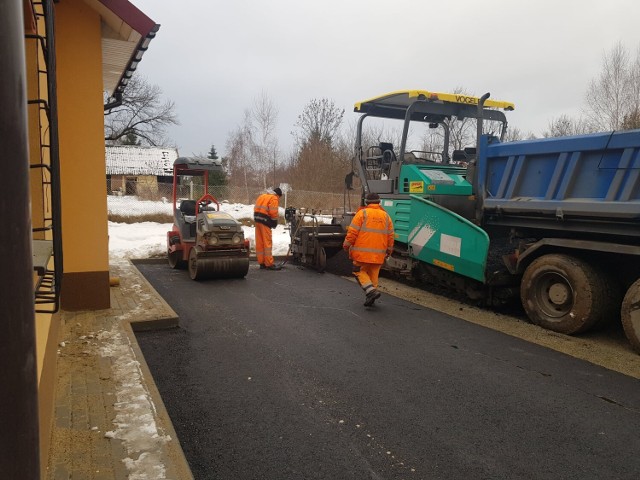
point(135, 411)
point(149, 239)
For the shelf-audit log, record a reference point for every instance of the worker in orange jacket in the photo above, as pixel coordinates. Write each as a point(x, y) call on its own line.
point(265, 215)
point(369, 242)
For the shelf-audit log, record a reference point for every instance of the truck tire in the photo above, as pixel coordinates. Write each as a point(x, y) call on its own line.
point(630, 313)
point(612, 297)
point(564, 294)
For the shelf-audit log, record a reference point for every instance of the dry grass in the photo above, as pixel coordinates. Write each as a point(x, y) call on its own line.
point(163, 218)
point(148, 217)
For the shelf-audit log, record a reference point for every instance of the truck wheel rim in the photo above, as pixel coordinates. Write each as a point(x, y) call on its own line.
point(554, 295)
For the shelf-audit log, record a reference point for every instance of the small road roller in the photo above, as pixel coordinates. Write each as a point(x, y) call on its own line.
point(208, 242)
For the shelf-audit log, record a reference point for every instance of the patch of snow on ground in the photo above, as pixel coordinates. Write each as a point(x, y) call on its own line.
point(149, 239)
point(135, 411)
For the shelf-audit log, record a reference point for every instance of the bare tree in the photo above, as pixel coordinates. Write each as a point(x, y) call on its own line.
point(142, 115)
point(252, 148)
point(263, 121)
point(632, 117)
point(462, 132)
point(615, 94)
point(239, 151)
point(375, 133)
point(319, 121)
point(631, 121)
point(612, 100)
point(564, 125)
point(318, 164)
point(432, 144)
point(514, 134)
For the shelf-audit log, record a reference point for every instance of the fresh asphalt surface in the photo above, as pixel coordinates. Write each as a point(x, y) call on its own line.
point(285, 375)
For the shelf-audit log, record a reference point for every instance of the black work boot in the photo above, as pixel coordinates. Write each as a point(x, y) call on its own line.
point(372, 296)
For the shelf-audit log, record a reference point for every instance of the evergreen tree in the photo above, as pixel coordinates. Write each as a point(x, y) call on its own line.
point(213, 155)
point(217, 179)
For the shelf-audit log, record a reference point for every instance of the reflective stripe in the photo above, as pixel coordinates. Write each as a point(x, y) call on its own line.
point(355, 227)
point(372, 250)
point(364, 228)
point(386, 230)
point(376, 230)
point(266, 208)
point(266, 204)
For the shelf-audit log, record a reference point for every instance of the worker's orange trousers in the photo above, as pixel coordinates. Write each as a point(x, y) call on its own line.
point(367, 274)
point(264, 245)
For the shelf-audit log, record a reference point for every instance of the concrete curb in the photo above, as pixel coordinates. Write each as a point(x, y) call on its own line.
point(167, 319)
point(177, 465)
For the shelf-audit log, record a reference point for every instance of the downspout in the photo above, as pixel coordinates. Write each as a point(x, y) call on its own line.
point(20, 456)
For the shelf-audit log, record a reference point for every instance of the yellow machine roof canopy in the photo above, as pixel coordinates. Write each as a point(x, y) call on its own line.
point(431, 105)
point(404, 98)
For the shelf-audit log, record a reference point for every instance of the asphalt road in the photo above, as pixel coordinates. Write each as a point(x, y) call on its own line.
point(285, 375)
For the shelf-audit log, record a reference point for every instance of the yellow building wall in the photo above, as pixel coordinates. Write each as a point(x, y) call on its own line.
point(82, 157)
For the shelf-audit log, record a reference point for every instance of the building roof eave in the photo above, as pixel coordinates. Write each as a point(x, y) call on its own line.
point(126, 34)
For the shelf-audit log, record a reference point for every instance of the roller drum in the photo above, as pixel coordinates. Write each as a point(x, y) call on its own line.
point(202, 266)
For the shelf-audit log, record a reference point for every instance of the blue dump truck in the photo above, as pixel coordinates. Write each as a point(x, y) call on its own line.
point(554, 222)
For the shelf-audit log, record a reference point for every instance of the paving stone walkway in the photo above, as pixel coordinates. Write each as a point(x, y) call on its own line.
point(110, 422)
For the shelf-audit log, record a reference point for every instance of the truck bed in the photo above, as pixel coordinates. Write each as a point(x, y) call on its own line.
point(588, 183)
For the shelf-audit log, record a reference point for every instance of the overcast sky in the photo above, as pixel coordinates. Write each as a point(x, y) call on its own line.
point(213, 58)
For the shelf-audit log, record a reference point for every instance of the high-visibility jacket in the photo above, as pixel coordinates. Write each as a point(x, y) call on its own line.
point(265, 210)
point(370, 235)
